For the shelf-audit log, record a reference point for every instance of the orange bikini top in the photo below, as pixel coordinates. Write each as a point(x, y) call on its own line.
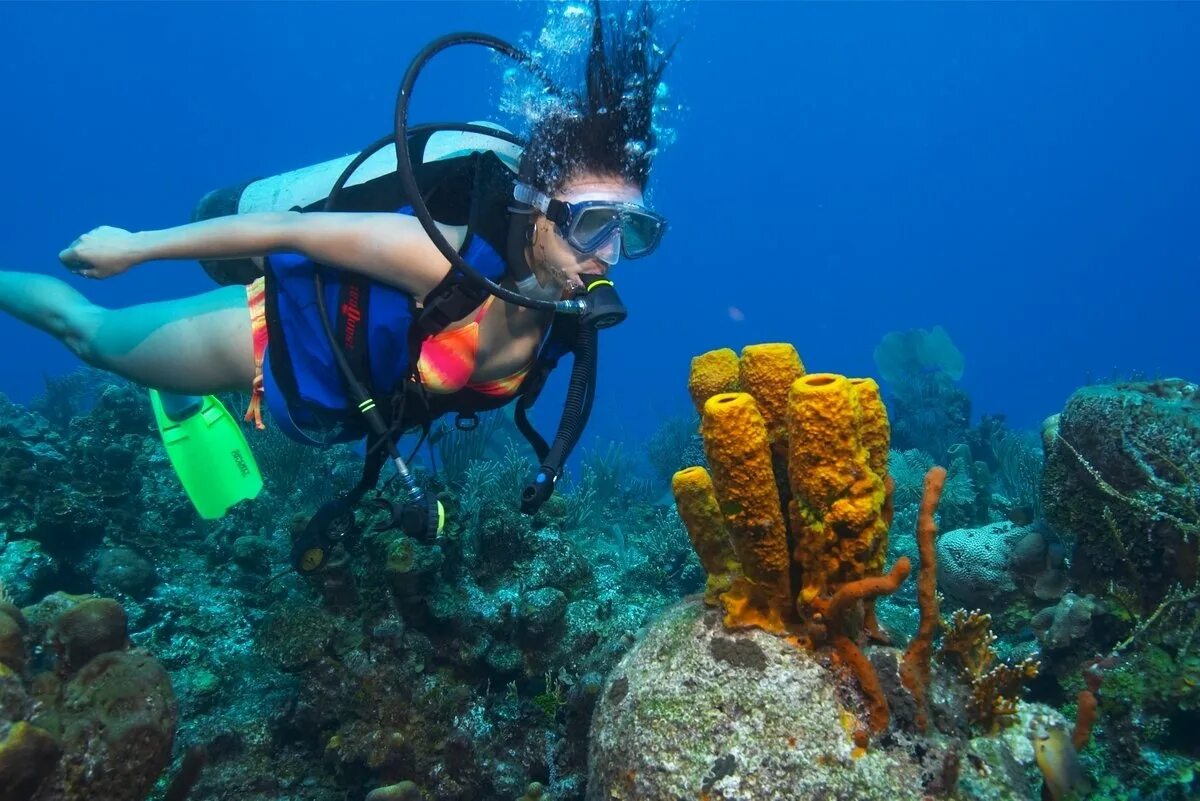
point(448, 360)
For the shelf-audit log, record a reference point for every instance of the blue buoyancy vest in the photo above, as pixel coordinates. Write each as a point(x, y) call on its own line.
point(304, 388)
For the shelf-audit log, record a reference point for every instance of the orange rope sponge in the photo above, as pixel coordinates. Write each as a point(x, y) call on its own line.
point(840, 607)
point(1085, 716)
point(915, 667)
point(735, 441)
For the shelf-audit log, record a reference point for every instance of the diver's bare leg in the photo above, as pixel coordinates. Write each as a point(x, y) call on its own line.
point(195, 345)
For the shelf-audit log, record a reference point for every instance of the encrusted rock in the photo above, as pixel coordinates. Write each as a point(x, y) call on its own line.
point(1068, 622)
point(1121, 472)
point(100, 728)
point(24, 568)
point(124, 570)
point(697, 711)
point(12, 645)
point(90, 628)
point(119, 711)
point(542, 609)
point(27, 756)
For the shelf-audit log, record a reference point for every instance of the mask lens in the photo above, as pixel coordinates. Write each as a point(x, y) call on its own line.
point(591, 226)
point(641, 233)
point(609, 251)
point(594, 225)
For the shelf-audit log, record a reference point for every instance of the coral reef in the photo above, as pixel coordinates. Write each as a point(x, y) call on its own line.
point(1093, 555)
point(82, 717)
point(433, 663)
point(471, 666)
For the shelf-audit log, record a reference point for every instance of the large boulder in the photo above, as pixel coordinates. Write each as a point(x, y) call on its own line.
point(1122, 466)
point(697, 711)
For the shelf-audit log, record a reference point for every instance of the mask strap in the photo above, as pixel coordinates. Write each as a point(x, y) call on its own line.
point(528, 196)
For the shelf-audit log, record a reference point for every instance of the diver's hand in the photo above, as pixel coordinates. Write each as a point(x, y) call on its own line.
point(101, 252)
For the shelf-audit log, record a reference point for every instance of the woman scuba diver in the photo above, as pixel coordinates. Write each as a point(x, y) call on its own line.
point(370, 323)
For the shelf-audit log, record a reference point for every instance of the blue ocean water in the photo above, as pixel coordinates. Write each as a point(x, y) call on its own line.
point(1024, 175)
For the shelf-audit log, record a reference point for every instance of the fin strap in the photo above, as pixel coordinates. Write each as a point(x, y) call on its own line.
point(254, 409)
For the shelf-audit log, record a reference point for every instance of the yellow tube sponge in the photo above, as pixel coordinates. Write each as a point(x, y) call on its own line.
point(836, 511)
point(874, 431)
point(735, 441)
point(860, 530)
point(823, 447)
point(701, 513)
point(767, 372)
point(712, 373)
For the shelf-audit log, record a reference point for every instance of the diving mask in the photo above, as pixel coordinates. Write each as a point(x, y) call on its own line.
point(588, 225)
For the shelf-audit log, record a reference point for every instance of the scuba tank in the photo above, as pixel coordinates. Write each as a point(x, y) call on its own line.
point(306, 186)
point(581, 316)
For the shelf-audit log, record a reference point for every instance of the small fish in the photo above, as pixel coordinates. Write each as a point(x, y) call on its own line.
point(1060, 765)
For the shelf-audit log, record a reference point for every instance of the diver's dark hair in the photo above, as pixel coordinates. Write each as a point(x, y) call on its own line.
point(606, 129)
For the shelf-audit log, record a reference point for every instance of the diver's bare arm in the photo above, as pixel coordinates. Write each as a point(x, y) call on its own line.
point(390, 248)
point(232, 237)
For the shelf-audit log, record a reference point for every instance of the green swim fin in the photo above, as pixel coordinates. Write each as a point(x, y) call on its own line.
point(208, 451)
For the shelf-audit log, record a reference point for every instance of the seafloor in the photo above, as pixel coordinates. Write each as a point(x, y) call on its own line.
point(146, 653)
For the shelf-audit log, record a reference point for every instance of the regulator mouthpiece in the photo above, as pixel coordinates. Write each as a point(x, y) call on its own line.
point(603, 306)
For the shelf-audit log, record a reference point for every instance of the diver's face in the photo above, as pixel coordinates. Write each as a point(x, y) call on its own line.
point(554, 260)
